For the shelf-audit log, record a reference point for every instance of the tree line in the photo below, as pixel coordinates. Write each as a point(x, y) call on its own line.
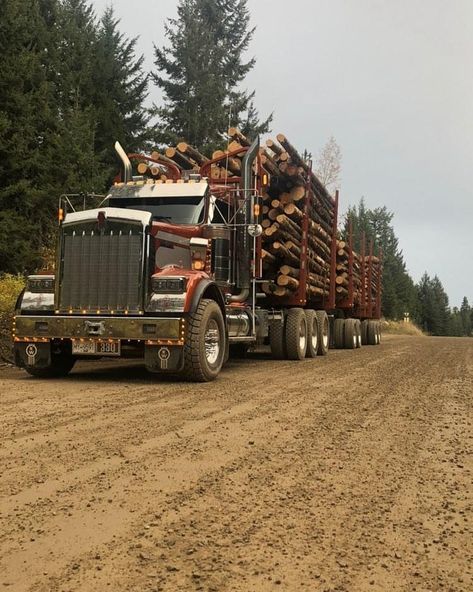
point(426, 302)
point(71, 84)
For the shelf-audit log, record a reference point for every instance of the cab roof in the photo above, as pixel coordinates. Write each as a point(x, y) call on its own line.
point(159, 189)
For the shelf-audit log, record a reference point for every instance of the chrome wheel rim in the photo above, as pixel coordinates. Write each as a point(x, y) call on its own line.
point(325, 336)
point(313, 336)
point(212, 342)
point(302, 336)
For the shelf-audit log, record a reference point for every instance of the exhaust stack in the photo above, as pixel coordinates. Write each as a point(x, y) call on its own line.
point(125, 160)
point(244, 253)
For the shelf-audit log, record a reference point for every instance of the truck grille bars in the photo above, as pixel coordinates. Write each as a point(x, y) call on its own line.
point(101, 269)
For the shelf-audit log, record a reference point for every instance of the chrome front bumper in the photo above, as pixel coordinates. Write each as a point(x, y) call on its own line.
point(152, 330)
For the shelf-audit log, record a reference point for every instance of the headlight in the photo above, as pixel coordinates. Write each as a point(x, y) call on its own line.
point(160, 285)
point(38, 294)
point(40, 284)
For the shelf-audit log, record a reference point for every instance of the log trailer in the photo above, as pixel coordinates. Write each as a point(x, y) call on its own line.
point(195, 259)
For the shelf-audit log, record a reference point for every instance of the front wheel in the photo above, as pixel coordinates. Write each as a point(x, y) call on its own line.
point(60, 366)
point(204, 348)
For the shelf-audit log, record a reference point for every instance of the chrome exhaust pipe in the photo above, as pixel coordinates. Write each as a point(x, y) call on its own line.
point(125, 160)
point(244, 252)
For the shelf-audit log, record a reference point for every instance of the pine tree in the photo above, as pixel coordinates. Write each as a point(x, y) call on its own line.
point(399, 294)
point(201, 71)
point(120, 90)
point(25, 124)
point(456, 324)
point(78, 168)
point(434, 315)
point(465, 314)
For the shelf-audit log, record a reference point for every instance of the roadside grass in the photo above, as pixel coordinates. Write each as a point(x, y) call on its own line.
point(10, 288)
point(401, 328)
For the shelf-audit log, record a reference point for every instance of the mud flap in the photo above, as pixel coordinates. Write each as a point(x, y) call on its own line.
point(163, 358)
point(36, 355)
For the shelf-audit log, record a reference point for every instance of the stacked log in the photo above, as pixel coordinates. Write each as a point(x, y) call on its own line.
point(372, 280)
point(297, 212)
point(293, 191)
point(342, 279)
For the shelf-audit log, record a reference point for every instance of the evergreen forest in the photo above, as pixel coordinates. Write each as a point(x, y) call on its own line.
point(72, 83)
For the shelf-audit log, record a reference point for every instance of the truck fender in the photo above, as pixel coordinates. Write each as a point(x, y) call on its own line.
point(208, 289)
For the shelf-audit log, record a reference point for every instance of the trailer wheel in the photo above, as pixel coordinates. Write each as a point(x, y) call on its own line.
point(60, 366)
point(312, 333)
point(350, 334)
point(324, 332)
point(378, 327)
point(364, 332)
point(204, 348)
point(372, 337)
point(339, 333)
point(277, 341)
point(296, 334)
point(358, 332)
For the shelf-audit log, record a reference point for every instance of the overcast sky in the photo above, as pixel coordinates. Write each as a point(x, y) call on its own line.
point(392, 80)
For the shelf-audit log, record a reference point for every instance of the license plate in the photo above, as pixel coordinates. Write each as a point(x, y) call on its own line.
point(96, 348)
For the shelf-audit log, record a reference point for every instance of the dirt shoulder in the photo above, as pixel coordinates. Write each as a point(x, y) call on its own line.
point(351, 472)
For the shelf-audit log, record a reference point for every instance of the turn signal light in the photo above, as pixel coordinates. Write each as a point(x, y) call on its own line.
point(198, 264)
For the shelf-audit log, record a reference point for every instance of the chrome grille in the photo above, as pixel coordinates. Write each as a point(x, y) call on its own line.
point(101, 270)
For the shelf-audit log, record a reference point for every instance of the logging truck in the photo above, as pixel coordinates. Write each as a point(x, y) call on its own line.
point(190, 259)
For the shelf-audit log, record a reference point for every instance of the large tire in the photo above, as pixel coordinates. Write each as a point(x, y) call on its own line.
point(378, 331)
point(350, 334)
point(339, 333)
point(204, 348)
point(312, 333)
point(277, 340)
point(371, 332)
point(358, 332)
point(296, 334)
point(324, 332)
point(61, 365)
point(364, 332)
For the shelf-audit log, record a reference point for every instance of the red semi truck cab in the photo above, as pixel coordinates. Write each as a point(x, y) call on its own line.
point(148, 273)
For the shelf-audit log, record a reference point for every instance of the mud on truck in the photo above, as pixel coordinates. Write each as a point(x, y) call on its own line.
point(183, 266)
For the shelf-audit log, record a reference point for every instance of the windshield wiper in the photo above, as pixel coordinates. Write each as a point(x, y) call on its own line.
point(164, 218)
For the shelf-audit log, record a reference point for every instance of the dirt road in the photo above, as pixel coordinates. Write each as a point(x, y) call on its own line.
point(352, 472)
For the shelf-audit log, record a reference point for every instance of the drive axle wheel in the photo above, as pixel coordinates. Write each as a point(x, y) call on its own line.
point(339, 333)
point(204, 348)
point(277, 340)
point(351, 339)
point(60, 366)
point(364, 332)
point(312, 333)
point(358, 332)
point(372, 333)
point(296, 334)
point(324, 332)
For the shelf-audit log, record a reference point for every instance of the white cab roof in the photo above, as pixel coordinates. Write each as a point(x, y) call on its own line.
point(186, 189)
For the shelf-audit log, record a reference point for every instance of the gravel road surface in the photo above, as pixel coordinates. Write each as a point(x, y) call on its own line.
point(346, 473)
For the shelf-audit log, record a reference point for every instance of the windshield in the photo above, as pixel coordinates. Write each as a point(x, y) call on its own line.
point(175, 210)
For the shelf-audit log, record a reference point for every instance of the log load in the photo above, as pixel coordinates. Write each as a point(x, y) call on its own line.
point(297, 214)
